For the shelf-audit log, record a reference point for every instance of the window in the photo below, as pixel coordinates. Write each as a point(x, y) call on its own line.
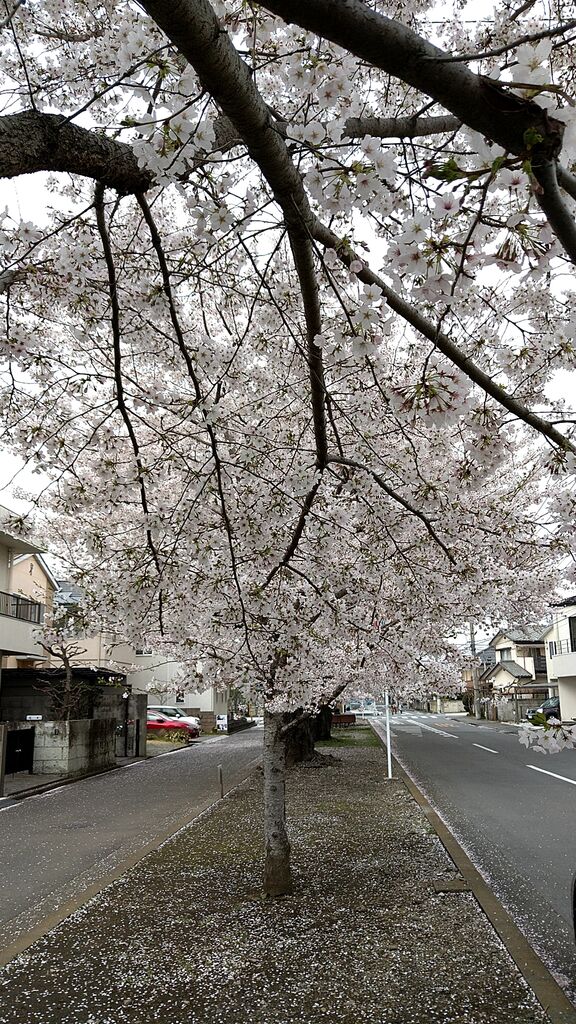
point(552, 648)
point(505, 654)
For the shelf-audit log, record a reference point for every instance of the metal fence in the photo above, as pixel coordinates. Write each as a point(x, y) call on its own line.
point(21, 607)
point(561, 647)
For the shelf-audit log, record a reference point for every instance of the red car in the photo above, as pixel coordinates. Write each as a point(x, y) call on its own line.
point(155, 720)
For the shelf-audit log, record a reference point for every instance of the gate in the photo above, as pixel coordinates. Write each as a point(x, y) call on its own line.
point(19, 750)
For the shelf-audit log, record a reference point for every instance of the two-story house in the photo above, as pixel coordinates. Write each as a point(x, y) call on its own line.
point(560, 640)
point(164, 681)
point(25, 589)
point(101, 648)
point(520, 666)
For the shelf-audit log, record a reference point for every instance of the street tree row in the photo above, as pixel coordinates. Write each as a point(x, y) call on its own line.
point(280, 326)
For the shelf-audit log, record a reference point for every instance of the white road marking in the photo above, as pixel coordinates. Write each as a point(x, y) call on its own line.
point(489, 749)
point(553, 774)
point(439, 731)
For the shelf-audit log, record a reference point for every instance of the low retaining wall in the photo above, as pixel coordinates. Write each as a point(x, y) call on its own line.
point(79, 745)
point(508, 713)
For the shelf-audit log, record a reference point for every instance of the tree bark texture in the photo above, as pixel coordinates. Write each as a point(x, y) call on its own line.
point(299, 739)
point(322, 724)
point(34, 141)
point(277, 872)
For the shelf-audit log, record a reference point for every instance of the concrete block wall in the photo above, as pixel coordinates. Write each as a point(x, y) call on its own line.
point(207, 718)
point(507, 712)
point(69, 748)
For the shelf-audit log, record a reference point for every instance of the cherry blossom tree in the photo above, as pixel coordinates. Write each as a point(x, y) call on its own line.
point(282, 335)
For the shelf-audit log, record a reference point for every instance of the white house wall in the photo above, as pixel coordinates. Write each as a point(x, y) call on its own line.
point(561, 666)
point(567, 695)
point(161, 679)
point(17, 637)
point(4, 568)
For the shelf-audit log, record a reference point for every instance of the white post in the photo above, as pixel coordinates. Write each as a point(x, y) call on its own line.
point(388, 747)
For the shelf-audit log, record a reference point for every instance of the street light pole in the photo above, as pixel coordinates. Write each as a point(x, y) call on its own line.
point(388, 748)
point(475, 673)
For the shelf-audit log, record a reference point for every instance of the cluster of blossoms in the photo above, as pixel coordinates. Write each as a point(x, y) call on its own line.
point(191, 485)
point(551, 738)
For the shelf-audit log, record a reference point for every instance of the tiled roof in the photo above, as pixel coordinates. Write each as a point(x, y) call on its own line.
point(526, 634)
point(513, 669)
point(530, 634)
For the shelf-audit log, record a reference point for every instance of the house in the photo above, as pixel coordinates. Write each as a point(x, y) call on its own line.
point(26, 588)
point(101, 649)
point(518, 674)
point(32, 579)
point(164, 681)
point(560, 640)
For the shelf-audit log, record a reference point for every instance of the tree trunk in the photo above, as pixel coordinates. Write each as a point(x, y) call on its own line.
point(277, 873)
point(323, 723)
point(299, 741)
point(67, 697)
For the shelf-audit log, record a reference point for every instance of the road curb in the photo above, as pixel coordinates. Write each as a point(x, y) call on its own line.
point(535, 973)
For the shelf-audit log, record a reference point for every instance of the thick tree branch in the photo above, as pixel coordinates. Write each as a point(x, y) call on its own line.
point(551, 202)
point(193, 28)
point(567, 181)
point(400, 127)
point(479, 102)
point(33, 141)
point(442, 342)
point(519, 125)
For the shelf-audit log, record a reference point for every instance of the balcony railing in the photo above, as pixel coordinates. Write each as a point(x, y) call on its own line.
point(21, 607)
point(561, 647)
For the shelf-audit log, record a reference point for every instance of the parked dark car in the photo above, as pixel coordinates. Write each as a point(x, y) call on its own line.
point(549, 708)
point(157, 721)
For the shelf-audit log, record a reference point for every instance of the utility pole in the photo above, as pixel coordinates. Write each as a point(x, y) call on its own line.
point(475, 672)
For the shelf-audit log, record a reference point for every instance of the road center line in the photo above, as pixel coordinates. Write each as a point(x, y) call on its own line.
point(489, 749)
point(553, 774)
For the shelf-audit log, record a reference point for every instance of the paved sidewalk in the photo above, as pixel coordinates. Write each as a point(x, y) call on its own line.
point(381, 928)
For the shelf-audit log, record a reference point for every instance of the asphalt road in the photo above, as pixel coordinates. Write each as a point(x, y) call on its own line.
point(514, 812)
point(56, 846)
